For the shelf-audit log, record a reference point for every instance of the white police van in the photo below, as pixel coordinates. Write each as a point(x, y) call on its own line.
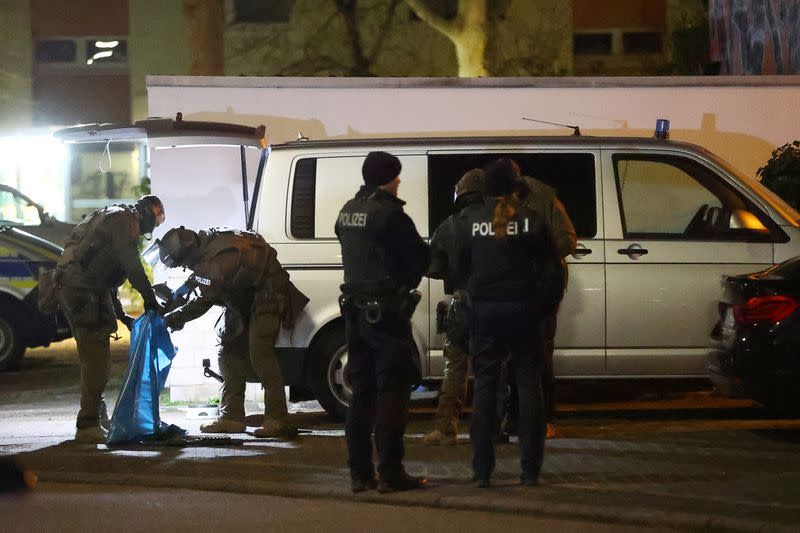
point(658, 223)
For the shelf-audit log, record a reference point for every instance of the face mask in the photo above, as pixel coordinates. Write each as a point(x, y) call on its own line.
point(147, 224)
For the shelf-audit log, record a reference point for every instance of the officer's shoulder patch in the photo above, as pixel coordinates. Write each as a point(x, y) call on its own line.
point(201, 280)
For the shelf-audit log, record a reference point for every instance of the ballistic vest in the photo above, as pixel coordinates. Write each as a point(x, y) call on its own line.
point(510, 268)
point(361, 222)
point(89, 259)
point(233, 260)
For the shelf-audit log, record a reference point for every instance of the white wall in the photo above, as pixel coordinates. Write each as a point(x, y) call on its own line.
point(742, 119)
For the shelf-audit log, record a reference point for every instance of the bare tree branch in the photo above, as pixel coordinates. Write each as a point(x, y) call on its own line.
point(383, 32)
point(348, 9)
point(435, 21)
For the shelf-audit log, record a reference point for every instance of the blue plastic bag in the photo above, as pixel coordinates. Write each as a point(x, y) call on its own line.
point(136, 416)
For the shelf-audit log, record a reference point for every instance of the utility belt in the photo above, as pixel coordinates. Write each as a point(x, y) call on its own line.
point(446, 311)
point(400, 304)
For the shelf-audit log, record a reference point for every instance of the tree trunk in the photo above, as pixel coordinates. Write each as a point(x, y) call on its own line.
point(471, 54)
point(468, 33)
point(205, 25)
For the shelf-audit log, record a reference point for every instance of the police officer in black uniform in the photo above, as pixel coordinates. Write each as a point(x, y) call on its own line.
point(514, 279)
point(384, 260)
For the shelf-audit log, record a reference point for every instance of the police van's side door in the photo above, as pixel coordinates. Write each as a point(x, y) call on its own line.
point(575, 173)
point(669, 239)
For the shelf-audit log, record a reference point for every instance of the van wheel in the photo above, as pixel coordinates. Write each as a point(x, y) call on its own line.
point(328, 361)
point(11, 346)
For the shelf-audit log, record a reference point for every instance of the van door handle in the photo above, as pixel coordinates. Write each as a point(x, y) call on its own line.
point(581, 251)
point(634, 251)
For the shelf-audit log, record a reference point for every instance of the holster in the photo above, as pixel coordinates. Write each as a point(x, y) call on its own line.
point(401, 304)
point(442, 315)
point(48, 283)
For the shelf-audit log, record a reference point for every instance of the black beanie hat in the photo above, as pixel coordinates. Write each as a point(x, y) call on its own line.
point(380, 168)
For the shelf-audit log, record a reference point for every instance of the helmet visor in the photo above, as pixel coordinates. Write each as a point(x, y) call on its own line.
point(152, 256)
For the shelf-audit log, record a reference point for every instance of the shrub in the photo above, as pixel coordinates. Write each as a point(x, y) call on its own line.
point(781, 174)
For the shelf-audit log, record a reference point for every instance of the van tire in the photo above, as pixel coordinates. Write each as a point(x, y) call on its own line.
point(327, 373)
point(11, 346)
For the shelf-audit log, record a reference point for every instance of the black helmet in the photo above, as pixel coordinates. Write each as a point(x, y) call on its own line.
point(177, 245)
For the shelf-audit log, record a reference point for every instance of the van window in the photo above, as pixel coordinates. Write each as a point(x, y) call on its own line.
point(571, 174)
point(665, 196)
point(322, 185)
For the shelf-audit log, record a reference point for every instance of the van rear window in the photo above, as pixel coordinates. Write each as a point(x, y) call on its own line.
point(571, 174)
point(303, 193)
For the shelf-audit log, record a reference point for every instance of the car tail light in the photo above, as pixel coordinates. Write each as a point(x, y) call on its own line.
point(771, 309)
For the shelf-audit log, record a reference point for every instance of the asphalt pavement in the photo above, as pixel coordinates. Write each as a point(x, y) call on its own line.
point(657, 458)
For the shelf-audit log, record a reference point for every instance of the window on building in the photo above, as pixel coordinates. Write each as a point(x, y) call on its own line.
point(100, 51)
point(641, 42)
point(592, 44)
point(56, 51)
point(262, 11)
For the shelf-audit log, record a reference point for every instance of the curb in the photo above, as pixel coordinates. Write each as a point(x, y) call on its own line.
point(637, 517)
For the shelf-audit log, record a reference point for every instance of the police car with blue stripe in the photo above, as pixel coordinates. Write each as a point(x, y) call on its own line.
point(22, 258)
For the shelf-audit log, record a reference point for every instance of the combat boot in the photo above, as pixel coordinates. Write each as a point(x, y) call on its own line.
point(223, 425)
point(105, 421)
point(361, 485)
point(273, 429)
point(91, 435)
point(400, 483)
point(439, 438)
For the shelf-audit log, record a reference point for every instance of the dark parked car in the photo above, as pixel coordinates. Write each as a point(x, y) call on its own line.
point(22, 257)
point(19, 211)
point(756, 343)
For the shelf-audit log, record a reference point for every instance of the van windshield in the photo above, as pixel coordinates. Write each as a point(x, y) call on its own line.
point(775, 201)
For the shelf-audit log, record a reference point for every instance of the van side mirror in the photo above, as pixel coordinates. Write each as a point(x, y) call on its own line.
point(741, 219)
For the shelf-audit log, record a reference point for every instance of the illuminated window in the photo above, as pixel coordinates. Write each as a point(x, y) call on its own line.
point(106, 51)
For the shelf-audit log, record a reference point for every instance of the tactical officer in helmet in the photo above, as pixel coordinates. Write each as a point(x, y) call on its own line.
point(445, 266)
point(100, 254)
point(514, 280)
point(384, 260)
point(239, 271)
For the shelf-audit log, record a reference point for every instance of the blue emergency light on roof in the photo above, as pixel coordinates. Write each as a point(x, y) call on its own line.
point(662, 129)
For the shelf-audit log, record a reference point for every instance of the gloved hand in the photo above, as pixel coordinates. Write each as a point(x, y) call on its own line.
point(153, 305)
point(127, 320)
point(172, 321)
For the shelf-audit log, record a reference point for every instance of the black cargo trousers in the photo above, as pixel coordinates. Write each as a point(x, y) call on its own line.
point(383, 363)
point(500, 328)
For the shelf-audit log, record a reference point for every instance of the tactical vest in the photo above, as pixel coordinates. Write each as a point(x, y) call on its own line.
point(236, 259)
point(88, 259)
point(503, 269)
point(364, 257)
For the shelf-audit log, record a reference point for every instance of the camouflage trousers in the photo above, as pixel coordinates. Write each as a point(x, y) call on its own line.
point(251, 356)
